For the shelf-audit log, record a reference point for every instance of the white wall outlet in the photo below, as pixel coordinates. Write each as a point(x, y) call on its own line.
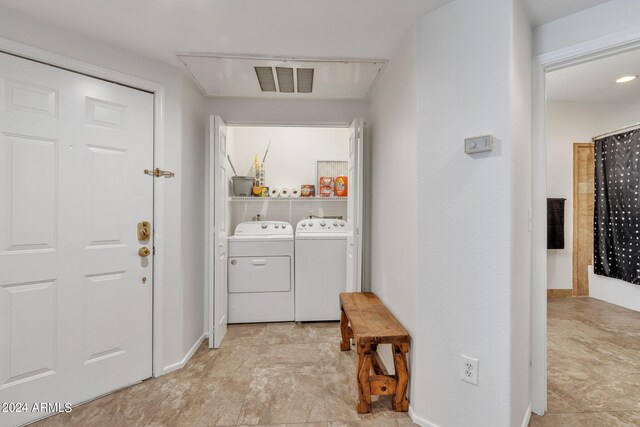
point(469, 369)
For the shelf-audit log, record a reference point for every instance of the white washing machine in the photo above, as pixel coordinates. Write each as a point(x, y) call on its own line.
point(261, 272)
point(321, 262)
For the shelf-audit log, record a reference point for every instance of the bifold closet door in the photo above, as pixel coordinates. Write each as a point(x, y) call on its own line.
point(75, 295)
point(355, 206)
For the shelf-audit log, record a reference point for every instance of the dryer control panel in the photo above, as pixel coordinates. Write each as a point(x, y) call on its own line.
point(262, 228)
point(321, 225)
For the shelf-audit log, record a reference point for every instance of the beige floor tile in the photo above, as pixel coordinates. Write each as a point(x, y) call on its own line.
point(281, 399)
point(593, 364)
point(559, 420)
point(289, 333)
point(278, 375)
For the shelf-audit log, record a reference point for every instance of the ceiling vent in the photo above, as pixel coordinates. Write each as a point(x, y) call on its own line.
point(265, 78)
point(288, 81)
point(285, 79)
point(305, 80)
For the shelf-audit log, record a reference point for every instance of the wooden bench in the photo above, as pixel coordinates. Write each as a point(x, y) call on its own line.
point(369, 323)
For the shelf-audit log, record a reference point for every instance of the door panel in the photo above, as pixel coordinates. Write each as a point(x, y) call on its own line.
point(354, 207)
point(220, 185)
point(75, 318)
point(28, 331)
point(30, 187)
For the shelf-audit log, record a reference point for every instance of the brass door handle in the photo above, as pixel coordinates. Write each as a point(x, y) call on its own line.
point(157, 172)
point(144, 252)
point(144, 230)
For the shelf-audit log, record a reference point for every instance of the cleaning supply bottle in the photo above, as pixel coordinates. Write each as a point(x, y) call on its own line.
point(256, 172)
point(342, 186)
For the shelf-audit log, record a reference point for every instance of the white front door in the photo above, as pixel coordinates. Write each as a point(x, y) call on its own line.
point(75, 307)
point(219, 182)
point(355, 206)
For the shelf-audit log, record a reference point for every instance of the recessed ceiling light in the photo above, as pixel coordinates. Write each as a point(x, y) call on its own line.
point(626, 79)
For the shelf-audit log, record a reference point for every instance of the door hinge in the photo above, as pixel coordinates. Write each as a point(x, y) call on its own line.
point(157, 172)
point(153, 250)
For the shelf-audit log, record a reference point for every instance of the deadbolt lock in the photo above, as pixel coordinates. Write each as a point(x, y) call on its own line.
point(144, 230)
point(144, 252)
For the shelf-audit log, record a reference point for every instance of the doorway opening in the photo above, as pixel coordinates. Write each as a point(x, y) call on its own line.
point(583, 354)
point(285, 228)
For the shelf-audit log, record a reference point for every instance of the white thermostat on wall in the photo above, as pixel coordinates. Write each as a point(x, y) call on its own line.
point(478, 144)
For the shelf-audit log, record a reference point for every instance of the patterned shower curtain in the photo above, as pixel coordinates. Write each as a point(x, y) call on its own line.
point(617, 210)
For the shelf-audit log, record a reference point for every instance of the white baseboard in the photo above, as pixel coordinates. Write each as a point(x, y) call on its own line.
point(420, 421)
point(527, 417)
point(424, 423)
point(186, 358)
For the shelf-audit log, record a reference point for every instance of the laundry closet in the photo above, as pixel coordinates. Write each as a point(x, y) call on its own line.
point(285, 214)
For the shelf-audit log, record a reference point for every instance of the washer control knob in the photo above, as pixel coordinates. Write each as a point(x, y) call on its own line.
point(264, 225)
point(284, 226)
point(310, 223)
point(342, 224)
point(322, 223)
point(335, 224)
point(304, 224)
point(277, 225)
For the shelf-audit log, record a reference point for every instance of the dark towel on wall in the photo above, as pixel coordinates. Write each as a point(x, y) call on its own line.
point(555, 223)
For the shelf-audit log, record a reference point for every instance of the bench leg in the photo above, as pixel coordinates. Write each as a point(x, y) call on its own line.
point(363, 372)
point(345, 343)
point(400, 401)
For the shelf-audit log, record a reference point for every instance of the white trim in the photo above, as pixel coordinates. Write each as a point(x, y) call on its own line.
point(158, 90)
point(527, 417)
point(420, 421)
point(186, 358)
point(580, 53)
point(289, 124)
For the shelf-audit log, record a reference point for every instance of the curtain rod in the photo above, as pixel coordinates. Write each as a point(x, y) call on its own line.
point(613, 132)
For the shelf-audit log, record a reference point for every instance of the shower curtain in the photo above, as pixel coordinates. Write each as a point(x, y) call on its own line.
point(617, 210)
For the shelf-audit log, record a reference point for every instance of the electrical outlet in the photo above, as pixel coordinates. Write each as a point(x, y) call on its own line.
point(469, 369)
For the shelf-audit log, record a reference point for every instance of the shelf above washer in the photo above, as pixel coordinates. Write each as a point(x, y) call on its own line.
point(288, 199)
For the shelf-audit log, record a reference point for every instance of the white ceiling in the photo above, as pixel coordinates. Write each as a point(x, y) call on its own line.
point(269, 28)
point(594, 82)
point(543, 11)
point(223, 76)
point(289, 28)
point(319, 29)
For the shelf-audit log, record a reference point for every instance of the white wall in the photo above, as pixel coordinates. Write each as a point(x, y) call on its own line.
point(522, 191)
point(394, 183)
point(268, 111)
point(291, 162)
point(568, 123)
point(180, 236)
point(467, 215)
point(190, 265)
point(608, 18)
point(294, 151)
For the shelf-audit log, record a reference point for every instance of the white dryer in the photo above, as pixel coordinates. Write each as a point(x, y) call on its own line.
point(261, 272)
point(321, 262)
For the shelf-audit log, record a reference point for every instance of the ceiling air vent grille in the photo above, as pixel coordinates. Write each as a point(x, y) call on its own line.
point(285, 79)
point(265, 78)
point(305, 80)
point(288, 81)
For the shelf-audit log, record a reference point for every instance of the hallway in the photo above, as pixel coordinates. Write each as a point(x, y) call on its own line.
point(263, 374)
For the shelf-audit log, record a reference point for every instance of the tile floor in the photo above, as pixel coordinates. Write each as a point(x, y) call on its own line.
point(275, 374)
point(593, 364)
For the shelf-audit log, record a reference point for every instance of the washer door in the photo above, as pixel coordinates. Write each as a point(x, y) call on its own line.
point(259, 274)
